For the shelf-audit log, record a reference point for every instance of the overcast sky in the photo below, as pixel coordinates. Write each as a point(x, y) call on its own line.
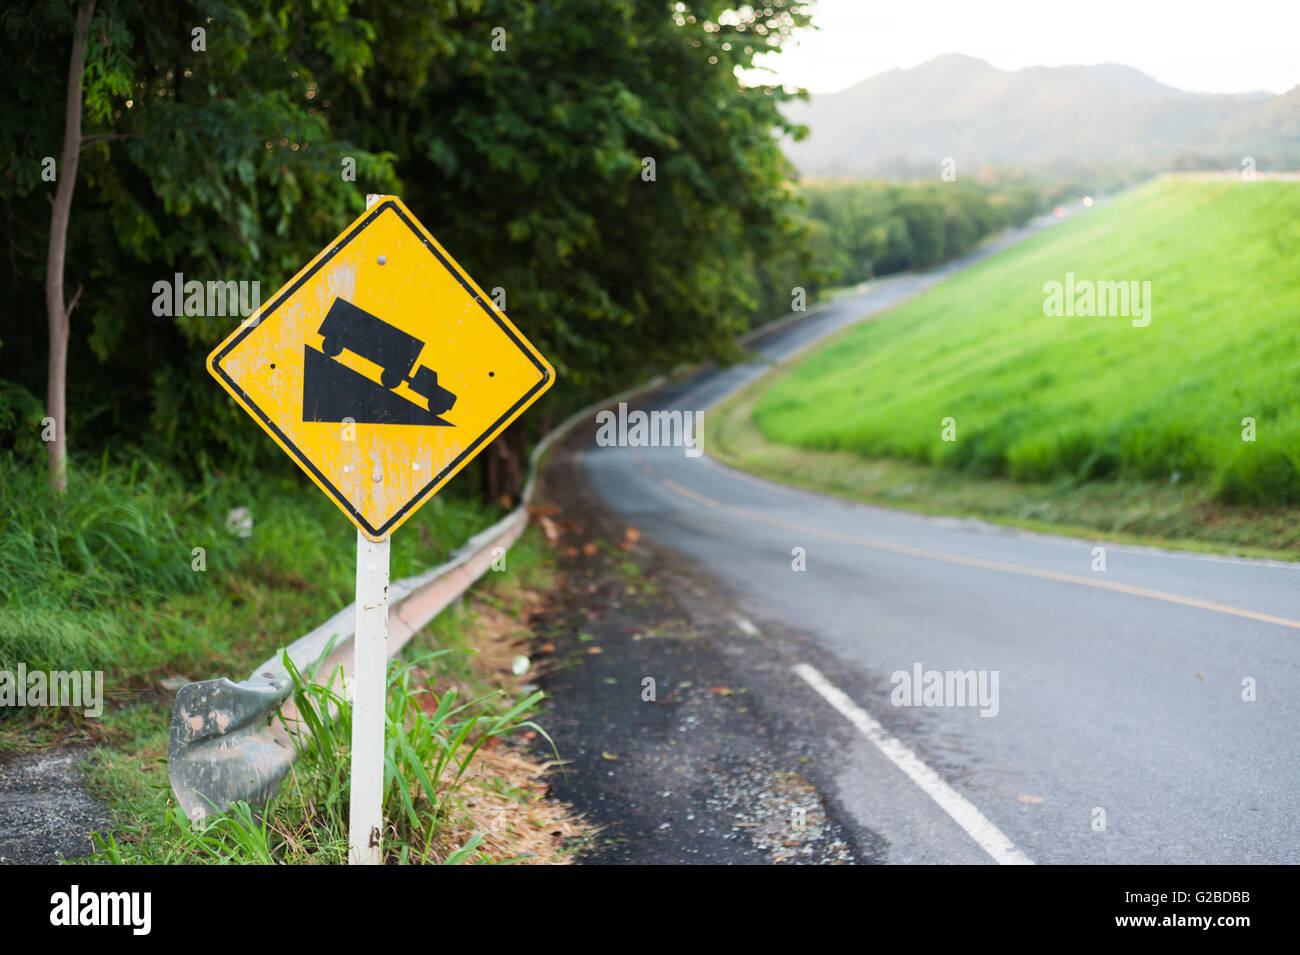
point(1220, 47)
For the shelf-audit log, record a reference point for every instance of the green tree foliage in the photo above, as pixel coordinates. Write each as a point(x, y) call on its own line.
point(861, 229)
point(518, 131)
point(204, 156)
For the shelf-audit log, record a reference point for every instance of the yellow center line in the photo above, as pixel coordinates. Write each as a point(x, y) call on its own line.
point(982, 564)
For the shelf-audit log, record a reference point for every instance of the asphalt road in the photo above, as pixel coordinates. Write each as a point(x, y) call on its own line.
point(1121, 734)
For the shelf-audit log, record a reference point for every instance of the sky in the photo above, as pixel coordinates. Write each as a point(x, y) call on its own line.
point(1196, 45)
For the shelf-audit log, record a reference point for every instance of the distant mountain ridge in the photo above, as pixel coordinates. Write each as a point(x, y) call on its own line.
point(904, 122)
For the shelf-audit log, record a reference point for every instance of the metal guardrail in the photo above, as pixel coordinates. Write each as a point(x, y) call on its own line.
point(229, 742)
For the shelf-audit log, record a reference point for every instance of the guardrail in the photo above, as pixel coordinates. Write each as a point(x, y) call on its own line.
point(229, 742)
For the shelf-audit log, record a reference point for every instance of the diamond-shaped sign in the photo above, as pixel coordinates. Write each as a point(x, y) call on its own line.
point(381, 368)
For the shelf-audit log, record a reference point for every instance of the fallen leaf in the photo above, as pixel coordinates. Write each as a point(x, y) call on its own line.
point(549, 529)
point(1031, 798)
point(595, 650)
point(722, 690)
point(632, 534)
point(605, 755)
point(546, 648)
point(589, 549)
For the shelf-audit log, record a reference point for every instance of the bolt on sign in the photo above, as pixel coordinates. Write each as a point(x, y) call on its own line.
point(381, 368)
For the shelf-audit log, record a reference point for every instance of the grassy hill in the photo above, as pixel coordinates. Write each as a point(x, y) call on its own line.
point(1040, 398)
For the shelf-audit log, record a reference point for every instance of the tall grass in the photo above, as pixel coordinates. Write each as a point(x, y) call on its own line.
point(1040, 398)
point(430, 741)
point(107, 577)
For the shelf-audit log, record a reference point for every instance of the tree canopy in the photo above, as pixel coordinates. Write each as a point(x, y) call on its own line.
point(598, 160)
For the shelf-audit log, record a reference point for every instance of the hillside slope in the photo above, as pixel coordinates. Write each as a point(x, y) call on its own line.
point(1039, 397)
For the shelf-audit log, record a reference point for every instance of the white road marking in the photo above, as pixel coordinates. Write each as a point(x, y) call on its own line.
point(988, 836)
point(747, 628)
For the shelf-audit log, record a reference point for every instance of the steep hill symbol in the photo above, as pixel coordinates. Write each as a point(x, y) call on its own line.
point(332, 392)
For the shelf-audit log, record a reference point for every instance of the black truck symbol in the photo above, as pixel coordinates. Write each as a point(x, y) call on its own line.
point(346, 326)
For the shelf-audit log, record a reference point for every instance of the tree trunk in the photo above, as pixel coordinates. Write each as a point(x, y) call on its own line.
point(58, 312)
point(504, 468)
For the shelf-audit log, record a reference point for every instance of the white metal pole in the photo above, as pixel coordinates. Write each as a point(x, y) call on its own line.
point(369, 693)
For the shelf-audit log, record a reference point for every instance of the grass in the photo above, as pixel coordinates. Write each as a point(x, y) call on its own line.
point(1049, 399)
point(1069, 425)
point(432, 739)
point(456, 789)
point(1179, 514)
point(106, 578)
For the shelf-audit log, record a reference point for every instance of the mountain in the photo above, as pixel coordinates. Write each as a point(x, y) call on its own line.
point(905, 122)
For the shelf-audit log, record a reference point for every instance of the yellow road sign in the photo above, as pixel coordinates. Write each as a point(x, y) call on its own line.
point(381, 368)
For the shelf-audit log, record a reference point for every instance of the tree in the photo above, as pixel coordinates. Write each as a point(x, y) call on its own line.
point(58, 313)
point(519, 132)
point(207, 152)
point(605, 166)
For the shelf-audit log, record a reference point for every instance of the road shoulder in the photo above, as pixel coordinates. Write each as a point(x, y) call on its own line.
point(708, 770)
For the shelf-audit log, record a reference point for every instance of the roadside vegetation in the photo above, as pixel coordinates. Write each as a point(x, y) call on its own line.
point(858, 230)
point(1071, 421)
point(460, 785)
point(107, 578)
point(606, 195)
point(144, 573)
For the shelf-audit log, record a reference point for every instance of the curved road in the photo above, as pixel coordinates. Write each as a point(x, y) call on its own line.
point(1121, 732)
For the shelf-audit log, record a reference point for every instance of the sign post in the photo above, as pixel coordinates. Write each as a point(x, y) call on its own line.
point(369, 700)
point(382, 369)
point(369, 692)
